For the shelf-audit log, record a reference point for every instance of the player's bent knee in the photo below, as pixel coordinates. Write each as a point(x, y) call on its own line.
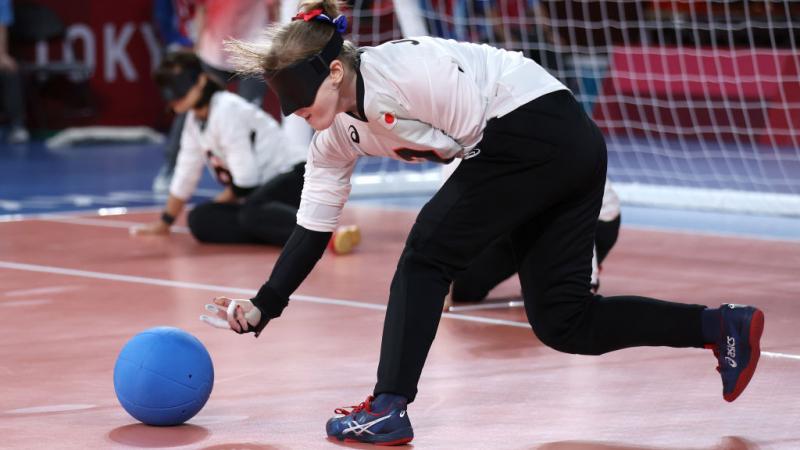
point(565, 344)
point(248, 218)
point(565, 335)
point(419, 248)
point(199, 225)
point(201, 235)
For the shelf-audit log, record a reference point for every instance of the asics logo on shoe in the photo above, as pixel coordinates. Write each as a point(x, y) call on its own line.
point(731, 352)
point(359, 429)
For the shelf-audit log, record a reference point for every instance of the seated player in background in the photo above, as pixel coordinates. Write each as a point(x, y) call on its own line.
point(496, 264)
point(248, 153)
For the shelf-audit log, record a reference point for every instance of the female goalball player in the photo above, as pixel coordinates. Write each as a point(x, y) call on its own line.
point(534, 167)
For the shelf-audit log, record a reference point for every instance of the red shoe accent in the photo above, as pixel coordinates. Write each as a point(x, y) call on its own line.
point(397, 442)
point(347, 410)
point(756, 329)
point(715, 349)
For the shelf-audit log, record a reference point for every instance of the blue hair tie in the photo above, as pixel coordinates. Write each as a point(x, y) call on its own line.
point(316, 14)
point(340, 22)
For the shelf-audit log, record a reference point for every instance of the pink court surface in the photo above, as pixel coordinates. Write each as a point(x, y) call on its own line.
point(74, 289)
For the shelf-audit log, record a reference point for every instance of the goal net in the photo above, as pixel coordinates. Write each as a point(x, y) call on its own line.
point(699, 101)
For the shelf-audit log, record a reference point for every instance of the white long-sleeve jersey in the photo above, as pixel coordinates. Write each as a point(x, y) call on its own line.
point(241, 144)
point(422, 98)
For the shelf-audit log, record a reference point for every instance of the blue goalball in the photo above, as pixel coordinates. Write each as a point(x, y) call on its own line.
point(163, 376)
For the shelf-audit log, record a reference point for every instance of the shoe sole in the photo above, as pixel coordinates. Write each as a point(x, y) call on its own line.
point(371, 439)
point(402, 441)
point(756, 329)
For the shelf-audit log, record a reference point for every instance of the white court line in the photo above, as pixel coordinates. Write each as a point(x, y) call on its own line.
point(78, 217)
point(78, 213)
point(250, 292)
point(104, 222)
point(488, 305)
point(125, 210)
point(228, 289)
point(781, 355)
point(42, 290)
point(51, 408)
point(20, 303)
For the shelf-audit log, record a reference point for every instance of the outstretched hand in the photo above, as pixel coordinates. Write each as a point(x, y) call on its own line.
point(239, 315)
point(157, 228)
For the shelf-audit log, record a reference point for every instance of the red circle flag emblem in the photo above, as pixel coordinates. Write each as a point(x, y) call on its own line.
point(389, 118)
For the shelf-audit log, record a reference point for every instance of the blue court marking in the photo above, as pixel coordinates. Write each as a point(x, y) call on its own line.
point(36, 179)
point(39, 180)
point(704, 164)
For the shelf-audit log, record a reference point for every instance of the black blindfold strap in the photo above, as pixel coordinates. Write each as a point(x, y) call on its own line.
point(332, 48)
point(179, 84)
point(322, 60)
point(297, 84)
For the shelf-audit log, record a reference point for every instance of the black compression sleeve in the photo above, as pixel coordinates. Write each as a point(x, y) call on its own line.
point(300, 254)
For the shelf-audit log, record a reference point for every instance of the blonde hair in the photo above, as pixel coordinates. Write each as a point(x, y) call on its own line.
point(282, 45)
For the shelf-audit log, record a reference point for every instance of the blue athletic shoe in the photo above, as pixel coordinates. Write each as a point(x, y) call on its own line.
point(738, 347)
point(361, 424)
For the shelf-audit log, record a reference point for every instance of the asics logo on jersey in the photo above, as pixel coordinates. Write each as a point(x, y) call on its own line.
point(410, 41)
point(359, 429)
point(731, 353)
point(354, 134)
point(472, 153)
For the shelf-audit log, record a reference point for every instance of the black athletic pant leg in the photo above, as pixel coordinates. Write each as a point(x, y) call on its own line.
point(519, 172)
point(218, 223)
point(541, 168)
point(496, 264)
point(493, 266)
point(267, 216)
point(270, 213)
point(554, 273)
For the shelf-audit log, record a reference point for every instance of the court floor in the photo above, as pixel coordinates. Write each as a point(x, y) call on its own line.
point(75, 287)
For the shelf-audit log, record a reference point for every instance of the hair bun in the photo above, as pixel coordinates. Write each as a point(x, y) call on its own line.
point(339, 22)
point(329, 7)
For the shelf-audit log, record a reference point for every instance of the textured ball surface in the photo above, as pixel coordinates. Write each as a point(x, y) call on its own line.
point(163, 376)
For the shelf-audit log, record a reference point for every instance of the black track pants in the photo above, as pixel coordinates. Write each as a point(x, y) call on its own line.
point(539, 179)
point(496, 264)
point(267, 216)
